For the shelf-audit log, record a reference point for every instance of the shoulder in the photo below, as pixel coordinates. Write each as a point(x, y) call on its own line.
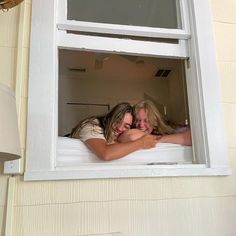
point(91, 130)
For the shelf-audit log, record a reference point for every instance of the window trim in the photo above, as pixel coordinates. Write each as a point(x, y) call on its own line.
point(88, 172)
point(43, 94)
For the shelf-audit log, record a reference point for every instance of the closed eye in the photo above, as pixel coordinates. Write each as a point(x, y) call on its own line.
point(127, 126)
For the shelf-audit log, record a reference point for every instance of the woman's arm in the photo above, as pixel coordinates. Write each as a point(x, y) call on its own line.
point(183, 138)
point(107, 152)
point(130, 135)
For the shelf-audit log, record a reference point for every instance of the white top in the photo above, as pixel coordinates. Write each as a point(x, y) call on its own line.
point(91, 130)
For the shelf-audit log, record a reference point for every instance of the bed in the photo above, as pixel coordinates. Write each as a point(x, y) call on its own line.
point(73, 152)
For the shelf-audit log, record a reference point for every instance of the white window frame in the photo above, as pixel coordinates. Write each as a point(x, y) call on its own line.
point(203, 85)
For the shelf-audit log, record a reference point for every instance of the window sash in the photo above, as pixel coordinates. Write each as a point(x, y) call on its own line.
point(102, 28)
point(112, 45)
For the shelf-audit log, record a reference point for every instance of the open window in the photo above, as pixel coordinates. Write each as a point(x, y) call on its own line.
point(91, 83)
point(63, 40)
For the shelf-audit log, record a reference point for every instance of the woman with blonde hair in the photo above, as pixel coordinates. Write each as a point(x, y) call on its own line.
point(153, 122)
point(100, 134)
point(148, 120)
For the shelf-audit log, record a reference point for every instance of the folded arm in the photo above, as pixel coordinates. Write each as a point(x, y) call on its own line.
point(106, 152)
point(183, 138)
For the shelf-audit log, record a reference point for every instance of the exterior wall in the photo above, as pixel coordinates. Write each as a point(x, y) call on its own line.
point(8, 52)
point(126, 207)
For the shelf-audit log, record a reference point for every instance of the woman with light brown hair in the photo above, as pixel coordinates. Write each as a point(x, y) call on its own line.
point(100, 134)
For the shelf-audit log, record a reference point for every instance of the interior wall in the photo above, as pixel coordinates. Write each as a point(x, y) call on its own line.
point(120, 78)
point(193, 206)
point(178, 106)
point(104, 92)
point(104, 80)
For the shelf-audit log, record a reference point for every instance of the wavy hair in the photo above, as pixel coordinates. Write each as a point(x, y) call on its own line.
point(154, 117)
point(107, 122)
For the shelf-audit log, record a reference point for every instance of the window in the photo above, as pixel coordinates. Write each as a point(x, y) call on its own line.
point(188, 37)
point(91, 83)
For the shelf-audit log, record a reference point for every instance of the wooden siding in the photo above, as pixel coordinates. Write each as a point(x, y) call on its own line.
point(202, 206)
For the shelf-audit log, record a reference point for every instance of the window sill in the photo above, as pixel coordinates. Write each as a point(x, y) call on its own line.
point(75, 161)
point(95, 171)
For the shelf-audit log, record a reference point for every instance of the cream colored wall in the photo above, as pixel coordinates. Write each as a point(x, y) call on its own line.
point(104, 92)
point(14, 49)
point(8, 52)
point(181, 206)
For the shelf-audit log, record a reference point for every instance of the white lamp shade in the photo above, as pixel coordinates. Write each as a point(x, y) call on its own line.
point(9, 133)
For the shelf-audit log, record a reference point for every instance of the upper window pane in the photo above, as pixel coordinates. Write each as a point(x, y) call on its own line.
point(151, 13)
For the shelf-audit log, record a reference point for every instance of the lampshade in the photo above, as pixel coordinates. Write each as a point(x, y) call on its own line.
point(9, 133)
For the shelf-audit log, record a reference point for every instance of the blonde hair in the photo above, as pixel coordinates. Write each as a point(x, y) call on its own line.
point(154, 117)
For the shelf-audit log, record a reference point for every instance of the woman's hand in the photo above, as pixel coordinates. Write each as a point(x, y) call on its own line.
point(149, 141)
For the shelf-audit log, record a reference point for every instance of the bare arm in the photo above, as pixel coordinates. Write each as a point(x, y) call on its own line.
point(183, 138)
point(130, 135)
point(106, 152)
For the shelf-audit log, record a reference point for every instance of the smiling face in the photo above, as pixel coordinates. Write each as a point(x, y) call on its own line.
point(142, 121)
point(123, 125)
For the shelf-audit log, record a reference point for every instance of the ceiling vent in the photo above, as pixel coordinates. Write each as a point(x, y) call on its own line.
point(163, 73)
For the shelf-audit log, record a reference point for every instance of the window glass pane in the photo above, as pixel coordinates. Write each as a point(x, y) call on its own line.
point(151, 13)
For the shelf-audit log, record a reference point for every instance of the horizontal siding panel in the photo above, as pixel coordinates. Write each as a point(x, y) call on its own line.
point(2, 219)
point(224, 11)
point(195, 217)
point(227, 72)
point(230, 124)
point(61, 219)
point(59, 192)
point(225, 38)
point(3, 187)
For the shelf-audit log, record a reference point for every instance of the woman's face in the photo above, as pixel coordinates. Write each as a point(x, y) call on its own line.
point(142, 121)
point(123, 125)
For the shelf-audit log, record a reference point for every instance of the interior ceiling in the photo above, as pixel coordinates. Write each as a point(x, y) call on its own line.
point(94, 65)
